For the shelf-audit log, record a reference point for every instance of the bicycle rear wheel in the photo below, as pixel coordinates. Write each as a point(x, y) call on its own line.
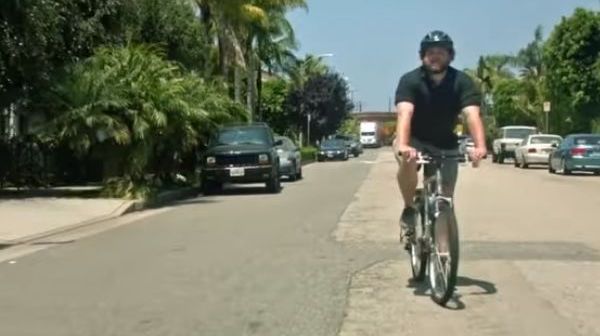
point(443, 259)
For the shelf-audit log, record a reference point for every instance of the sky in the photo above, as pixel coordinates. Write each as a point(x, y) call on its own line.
point(374, 42)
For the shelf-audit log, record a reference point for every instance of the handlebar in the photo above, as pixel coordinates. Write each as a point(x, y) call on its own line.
point(427, 158)
point(424, 158)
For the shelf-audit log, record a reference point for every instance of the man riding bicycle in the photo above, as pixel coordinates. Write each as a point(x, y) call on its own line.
point(429, 100)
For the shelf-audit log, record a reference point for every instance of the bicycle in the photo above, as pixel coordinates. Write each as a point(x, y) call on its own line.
point(436, 224)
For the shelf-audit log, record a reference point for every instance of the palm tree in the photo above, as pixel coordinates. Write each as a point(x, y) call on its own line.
point(226, 18)
point(243, 27)
point(530, 62)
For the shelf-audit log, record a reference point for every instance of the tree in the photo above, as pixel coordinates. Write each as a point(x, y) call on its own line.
point(325, 98)
point(137, 111)
point(511, 106)
point(570, 56)
point(350, 126)
point(39, 37)
point(174, 26)
point(529, 60)
point(273, 98)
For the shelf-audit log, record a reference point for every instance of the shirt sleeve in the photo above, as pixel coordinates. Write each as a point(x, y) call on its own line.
point(470, 95)
point(405, 92)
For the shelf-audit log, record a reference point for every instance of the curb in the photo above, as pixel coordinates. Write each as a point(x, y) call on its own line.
point(163, 199)
point(125, 208)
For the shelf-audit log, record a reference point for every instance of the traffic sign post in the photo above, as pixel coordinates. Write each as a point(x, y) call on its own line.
point(547, 108)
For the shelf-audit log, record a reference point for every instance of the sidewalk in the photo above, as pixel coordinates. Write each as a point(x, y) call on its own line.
point(26, 218)
point(22, 220)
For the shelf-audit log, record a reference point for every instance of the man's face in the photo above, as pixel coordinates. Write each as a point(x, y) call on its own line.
point(437, 59)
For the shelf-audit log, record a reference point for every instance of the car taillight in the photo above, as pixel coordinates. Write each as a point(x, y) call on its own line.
point(531, 150)
point(578, 151)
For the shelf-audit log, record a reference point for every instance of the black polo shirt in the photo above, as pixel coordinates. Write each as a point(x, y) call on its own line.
point(437, 107)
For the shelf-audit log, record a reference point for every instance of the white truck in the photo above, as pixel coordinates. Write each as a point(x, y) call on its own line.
point(510, 138)
point(370, 134)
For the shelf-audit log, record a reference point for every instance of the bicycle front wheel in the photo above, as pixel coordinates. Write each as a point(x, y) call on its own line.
point(443, 259)
point(418, 255)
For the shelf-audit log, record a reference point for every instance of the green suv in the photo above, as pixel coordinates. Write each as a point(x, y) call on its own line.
point(241, 154)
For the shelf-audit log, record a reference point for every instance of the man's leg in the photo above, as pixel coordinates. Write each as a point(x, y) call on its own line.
point(449, 172)
point(407, 180)
point(449, 176)
point(407, 177)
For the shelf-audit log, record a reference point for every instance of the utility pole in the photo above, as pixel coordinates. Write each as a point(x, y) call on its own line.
point(308, 129)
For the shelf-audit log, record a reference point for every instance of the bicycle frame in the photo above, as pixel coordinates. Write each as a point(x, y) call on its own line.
point(440, 262)
point(431, 194)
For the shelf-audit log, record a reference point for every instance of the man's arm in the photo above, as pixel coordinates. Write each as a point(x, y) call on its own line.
point(475, 124)
point(470, 103)
point(405, 99)
point(405, 112)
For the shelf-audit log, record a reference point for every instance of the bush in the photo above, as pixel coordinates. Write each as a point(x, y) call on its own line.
point(308, 154)
point(138, 112)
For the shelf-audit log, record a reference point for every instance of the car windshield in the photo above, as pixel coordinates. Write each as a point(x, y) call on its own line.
point(287, 144)
point(518, 133)
point(242, 136)
point(333, 144)
point(590, 140)
point(545, 140)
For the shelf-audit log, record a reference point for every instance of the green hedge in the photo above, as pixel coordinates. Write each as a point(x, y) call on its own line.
point(308, 154)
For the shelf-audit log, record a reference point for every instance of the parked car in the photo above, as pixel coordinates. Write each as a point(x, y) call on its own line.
point(290, 158)
point(510, 138)
point(332, 149)
point(241, 154)
point(463, 147)
point(354, 146)
point(577, 152)
point(535, 149)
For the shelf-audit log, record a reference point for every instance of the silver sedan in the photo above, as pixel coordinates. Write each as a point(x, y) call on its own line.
point(535, 149)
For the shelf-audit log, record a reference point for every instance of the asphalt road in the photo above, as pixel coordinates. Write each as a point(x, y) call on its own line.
point(243, 263)
point(321, 258)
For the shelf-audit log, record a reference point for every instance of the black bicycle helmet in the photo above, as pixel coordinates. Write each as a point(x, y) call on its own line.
point(437, 38)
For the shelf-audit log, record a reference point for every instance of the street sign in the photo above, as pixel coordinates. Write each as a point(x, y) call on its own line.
point(546, 106)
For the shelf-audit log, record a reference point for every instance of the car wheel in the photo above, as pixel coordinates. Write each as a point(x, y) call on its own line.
point(550, 169)
point(274, 184)
point(564, 169)
point(211, 187)
point(294, 175)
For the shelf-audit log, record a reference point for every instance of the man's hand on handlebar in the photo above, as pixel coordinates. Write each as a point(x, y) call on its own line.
point(477, 154)
point(407, 152)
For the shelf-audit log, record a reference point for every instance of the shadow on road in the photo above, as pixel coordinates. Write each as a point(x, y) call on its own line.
point(193, 201)
point(456, 303)
point(242, 190)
